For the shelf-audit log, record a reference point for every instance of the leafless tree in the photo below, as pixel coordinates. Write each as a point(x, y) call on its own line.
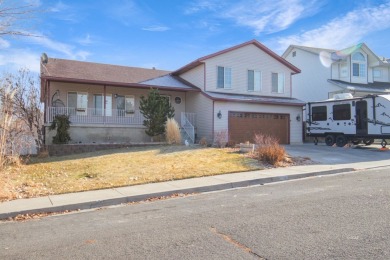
point(20, 112)
point(15, 17)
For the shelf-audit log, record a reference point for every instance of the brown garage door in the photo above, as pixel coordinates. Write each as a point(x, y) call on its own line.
point(243, 126)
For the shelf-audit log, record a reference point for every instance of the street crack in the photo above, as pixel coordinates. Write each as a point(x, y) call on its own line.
point(234, 242)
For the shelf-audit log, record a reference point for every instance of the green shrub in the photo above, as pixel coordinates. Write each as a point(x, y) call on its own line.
point(62, 124)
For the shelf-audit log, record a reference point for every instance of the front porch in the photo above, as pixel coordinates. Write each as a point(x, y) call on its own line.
point(92, 125)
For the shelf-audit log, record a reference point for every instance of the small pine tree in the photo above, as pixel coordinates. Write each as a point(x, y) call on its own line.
point(62, 123)
point(156, 110)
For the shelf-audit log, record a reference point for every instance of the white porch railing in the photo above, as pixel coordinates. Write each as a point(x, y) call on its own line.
point(187, 125)
point(96, 116)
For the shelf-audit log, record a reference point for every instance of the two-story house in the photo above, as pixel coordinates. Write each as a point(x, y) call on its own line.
point(324, 72)
point(239, 91)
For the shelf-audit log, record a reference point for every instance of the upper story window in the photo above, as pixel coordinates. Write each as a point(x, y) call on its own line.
point(358, 65)
point(254, 80)
point(277, 82)
point(224, 77)
point(294, 53)
point(377, 73)
point(343, 70)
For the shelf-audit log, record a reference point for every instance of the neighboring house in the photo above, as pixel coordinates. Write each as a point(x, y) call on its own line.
point(236, 92)
point(356, 70)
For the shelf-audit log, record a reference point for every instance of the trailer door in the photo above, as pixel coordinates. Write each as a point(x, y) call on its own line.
point(361, 117)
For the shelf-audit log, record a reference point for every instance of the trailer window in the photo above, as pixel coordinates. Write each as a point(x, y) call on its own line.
point(319, 113)
point(342, 112)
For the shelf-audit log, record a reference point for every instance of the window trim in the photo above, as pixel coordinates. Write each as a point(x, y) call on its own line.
point(379, 71)
point(79, 110)
point(227, 78)
point(129, 112)
point(319, 114)
point(361, 65)
point(254, 77)
point(337, 117)
point(283, 85)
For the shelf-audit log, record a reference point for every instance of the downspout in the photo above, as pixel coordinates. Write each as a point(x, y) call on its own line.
point(212, 128)
point(374, 109)
point(48, 95)
point(204, 77)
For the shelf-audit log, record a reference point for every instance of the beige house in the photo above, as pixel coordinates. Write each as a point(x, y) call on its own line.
point(234, 93)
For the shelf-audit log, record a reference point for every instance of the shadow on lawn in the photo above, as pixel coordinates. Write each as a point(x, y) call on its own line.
point(160, 149)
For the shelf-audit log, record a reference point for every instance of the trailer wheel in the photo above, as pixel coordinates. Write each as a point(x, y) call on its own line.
point(356, 142)
point(368, 141)
point(341, 140)
point(383, 143)
point(329, 140)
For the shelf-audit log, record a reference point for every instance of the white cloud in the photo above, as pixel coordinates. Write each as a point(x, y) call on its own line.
point(270, 16)
point(202, 5)
point(65, 49)
point(33, 2)
point(15, 59)
point(343, 31)
point(86, 40)
point(156, 28)
point(4, 44)
point(58, 7)
point(267, 16)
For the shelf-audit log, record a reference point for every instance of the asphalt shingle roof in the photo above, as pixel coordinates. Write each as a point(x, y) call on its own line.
point(378, 87)
point(81, 70)
point(255, 99)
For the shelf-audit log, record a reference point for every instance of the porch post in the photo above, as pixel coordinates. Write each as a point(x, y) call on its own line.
point(104, 104)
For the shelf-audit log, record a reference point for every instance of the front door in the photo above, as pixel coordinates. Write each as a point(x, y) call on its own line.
point(361, 118)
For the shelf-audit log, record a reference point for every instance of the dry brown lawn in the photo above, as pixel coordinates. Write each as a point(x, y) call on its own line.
point(114, 168)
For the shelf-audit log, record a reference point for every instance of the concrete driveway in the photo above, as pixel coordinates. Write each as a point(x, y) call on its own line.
point(323, 154)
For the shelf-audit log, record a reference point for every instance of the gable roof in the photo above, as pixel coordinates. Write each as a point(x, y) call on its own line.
point(80, 70)
point(313, 50)
point(199, 61)
point(337, 53)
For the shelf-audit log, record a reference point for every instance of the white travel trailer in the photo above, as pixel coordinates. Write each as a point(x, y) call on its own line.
point(345, 118)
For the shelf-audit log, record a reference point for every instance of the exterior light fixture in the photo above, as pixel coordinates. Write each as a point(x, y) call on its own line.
point(219, 114)
point(298, 118)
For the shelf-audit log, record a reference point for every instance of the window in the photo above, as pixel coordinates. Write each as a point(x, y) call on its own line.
point(224, 78)
point(358, 65)
point(120, 105)
point(78, 103)
point(319, 113)
point(278, 82)
point(254, 80)
point(342, 112)
point(98, 101)
point(129, 105)
point(294, 53)
point(343, 70)
point(377, 73)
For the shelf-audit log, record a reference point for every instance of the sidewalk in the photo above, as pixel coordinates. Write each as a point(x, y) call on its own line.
point(106, 197)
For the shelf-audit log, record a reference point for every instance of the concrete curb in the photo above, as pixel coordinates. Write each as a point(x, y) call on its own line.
point(136, 198)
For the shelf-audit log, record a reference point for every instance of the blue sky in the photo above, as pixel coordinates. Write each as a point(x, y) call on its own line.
point(168, 34)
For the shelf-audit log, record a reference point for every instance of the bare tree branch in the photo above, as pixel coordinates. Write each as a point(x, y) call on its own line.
point(15, 19)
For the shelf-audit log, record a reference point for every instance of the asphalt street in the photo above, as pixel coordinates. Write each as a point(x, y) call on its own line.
point(345, 216)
